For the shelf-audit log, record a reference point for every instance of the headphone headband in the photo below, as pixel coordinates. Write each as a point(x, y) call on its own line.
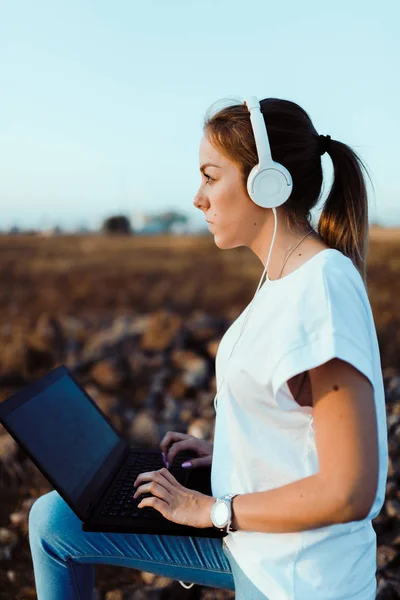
point(260, 131)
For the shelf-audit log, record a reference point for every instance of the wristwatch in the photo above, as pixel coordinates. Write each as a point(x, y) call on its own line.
point(221, 513)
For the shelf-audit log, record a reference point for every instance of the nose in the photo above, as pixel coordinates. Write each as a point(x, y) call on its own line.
point(199, 201)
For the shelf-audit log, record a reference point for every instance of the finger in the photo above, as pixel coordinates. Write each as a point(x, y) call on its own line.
point(162, 476)
point(169, 437)
point(204, 461)
point(153, 488)
point(145, 476)
point(156, 503)
point(167, 475)
point(178, 447)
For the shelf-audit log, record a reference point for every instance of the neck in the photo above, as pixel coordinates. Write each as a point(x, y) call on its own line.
point(285, 240)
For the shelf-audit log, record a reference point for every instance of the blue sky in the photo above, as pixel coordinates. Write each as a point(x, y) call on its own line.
point(102, 103)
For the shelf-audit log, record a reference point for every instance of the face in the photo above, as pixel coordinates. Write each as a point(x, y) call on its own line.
point(224, 200)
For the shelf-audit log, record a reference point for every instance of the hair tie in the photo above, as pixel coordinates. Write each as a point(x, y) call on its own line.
point(324, 143)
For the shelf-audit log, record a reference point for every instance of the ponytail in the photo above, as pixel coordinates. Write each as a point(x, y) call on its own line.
point(343, 223)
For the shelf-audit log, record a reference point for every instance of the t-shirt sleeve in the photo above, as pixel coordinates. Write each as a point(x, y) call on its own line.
point(339, 327)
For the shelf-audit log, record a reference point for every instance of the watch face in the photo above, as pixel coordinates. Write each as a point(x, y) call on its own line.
point(220, 514)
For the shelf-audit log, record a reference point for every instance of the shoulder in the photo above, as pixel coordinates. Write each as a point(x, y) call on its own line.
point(343, 286)
point(331, 298)
point(332, 276)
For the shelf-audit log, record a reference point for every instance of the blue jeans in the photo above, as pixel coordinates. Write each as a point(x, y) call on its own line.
point(63, 555)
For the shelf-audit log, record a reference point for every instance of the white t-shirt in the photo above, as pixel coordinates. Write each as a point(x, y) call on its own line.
point(264, 439)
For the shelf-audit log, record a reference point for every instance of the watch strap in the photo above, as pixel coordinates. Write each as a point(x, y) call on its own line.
point(229, 527)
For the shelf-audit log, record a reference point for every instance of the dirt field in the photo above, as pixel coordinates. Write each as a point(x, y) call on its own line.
point(96, 276)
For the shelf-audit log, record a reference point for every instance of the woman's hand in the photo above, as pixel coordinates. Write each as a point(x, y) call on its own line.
point(174, 442)
point(175, 502)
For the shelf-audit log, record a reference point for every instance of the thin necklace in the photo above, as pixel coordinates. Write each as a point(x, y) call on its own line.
point(292, 250)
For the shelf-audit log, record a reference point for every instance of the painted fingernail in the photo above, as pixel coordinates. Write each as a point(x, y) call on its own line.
point(186, 464)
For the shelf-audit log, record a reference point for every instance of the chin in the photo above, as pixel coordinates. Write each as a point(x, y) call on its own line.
point(226, 244)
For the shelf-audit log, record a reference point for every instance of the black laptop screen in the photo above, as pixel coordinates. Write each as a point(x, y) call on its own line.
point(71, 447)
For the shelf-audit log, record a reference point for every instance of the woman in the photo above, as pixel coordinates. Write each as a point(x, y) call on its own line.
point(300, 436)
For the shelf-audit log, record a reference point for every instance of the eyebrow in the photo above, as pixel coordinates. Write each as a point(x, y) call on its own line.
point(208, 165)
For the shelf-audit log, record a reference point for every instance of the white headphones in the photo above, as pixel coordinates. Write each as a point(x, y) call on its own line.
point(269, 185)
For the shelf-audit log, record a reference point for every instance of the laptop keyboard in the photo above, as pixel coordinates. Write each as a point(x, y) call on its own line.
point(121, 503)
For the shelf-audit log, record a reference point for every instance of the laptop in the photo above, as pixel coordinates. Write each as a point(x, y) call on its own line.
point(83, 457)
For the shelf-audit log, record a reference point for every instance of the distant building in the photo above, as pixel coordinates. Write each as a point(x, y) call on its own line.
point(51, 231)
point(139, 220)
point(152, 228)
point(168, 222)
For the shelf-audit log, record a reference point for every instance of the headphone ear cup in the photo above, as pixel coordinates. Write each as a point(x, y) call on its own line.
point(270, 187)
